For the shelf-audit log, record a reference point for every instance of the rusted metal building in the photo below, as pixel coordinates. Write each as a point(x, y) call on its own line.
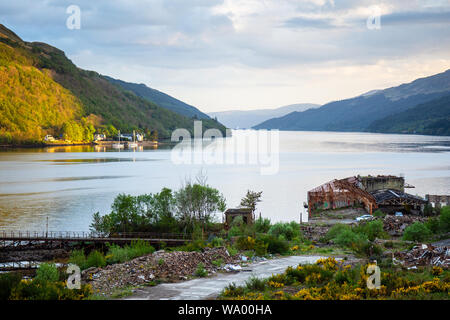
point(340, 194)
point(372, 192)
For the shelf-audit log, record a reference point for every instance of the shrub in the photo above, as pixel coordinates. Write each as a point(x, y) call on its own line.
point(232, 290)
point(33, 290)
point(434, 225)
point(379, 213)
point(261, 248)
point(245, 243)
point(96, 259)
point(372, 229)
point(255, 283)
point(262, 225)
point(47, 273)
point(201, 271)
point(288, 230)
point(416, 232)
point(136, 249)
point(78, 258)
point(347, 237)
point(275, 245)
point(217, 242)
point(7, 282)
point(336, 230)
point(444, 219)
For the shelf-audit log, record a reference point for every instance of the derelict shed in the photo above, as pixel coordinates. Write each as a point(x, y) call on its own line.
point(245, 213)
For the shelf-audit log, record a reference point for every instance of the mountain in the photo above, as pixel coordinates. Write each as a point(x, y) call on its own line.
point(161, 99)
point(248, 119)
point(431, 118)
point(357, 114)
point(43, 92)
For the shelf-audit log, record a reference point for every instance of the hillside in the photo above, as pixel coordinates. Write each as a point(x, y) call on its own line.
point(431, 118)
point(49, 91)
point(357, 114)
point(160, 98)
point(248, 119)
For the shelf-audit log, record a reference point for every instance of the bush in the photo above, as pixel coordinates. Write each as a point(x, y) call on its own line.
point(416, 232)
point(275, 245)
point(136, 249)
point(262, 225)
point(379, 214)
point(47, 273)
point(78, 258)
point(255, 284)
point(245, 243)
point(217, 242)
point(7, 282)
point(261, 248)
point(444, 219)
point(372, 229)
point(434, 225)
point(288, 230)
point(347, 237)
point(33, 290)
point(96, 259)
point(201, 271)
point(336, 230)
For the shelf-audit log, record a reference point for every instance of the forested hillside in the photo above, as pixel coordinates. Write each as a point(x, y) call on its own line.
point(43, 92)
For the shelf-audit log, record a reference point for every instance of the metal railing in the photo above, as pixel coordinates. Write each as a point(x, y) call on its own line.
point(10, 234)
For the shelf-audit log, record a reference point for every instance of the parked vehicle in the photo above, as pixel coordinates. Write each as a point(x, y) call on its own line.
point(399, 214)
point(364, 217)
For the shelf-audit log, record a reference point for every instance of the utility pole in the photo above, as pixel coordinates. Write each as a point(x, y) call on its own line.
point(46, 229)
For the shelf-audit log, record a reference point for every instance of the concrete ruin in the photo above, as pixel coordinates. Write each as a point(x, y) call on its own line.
point(371, 192)
point(437, 201)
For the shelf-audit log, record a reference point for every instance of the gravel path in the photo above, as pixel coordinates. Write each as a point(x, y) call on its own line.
point(209, 288)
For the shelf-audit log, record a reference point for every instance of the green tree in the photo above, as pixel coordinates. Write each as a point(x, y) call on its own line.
point(251, 199)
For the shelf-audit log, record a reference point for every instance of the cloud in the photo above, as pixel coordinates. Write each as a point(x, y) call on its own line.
point(243, 46)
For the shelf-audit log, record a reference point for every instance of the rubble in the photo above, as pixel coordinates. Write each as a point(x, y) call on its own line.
point(395, 226)
point(314, 232)
point(424, 255)
point(161, 265)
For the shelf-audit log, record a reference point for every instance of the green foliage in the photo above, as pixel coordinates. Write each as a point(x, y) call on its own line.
point(96, 259)
point(136, 249)
point(34, 290)
point(444, 219)
point(217, 242)
point(274, 244)
point(77, 257)
point(201, 271)
point(47, 273)
point(347, 237)
point(289, 230)
point(379, 214)
point(371, 229)
point(251, 199)
point(262, 225)
point(261, 248)
point(416, 232)
point(245, 243)
point(196, 202)
point(255, 283)
point(8, 281)
point(336, 230)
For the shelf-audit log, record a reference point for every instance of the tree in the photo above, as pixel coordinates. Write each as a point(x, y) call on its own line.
point(251, 199)
point(197, 202)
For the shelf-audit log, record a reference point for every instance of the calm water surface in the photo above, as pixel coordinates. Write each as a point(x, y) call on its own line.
point(68, 185)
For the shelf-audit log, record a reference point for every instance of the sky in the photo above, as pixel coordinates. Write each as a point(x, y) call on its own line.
point(246, 54)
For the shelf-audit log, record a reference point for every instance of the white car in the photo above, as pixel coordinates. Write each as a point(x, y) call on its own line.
point(364, 217)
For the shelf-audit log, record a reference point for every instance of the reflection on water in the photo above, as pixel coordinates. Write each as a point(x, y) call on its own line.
point(40, 183)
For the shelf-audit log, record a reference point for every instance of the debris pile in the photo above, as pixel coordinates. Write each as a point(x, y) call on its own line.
point(395, 226)
point(425, 255)
point(161, 265)
point(314, 233)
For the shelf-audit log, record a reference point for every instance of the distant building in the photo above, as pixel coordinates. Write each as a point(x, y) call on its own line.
point(129, 137)
point(99, 137)
point(49, 138)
